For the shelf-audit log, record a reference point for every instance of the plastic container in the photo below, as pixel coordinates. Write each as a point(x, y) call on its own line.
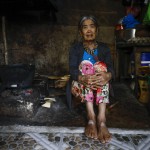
point(145, 59)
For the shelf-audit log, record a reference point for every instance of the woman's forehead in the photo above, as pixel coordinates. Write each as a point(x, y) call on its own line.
point(88, 21)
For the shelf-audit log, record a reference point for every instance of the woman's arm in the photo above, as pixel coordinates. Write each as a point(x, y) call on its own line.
point(74, 62)
point(105, 56)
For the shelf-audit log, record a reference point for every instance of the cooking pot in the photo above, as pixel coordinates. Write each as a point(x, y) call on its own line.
point(125, 34)
point(17, 75)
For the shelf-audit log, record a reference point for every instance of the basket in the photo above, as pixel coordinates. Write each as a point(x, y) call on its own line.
point(62, 82)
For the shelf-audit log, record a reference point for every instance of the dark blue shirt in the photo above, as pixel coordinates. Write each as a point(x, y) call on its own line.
point(76, 56)
point(87, 56)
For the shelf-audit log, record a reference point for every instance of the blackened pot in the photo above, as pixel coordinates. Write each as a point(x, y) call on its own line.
point(17, 75)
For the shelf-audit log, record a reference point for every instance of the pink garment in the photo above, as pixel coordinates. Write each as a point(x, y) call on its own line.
point(87, 94)
point(86, 67)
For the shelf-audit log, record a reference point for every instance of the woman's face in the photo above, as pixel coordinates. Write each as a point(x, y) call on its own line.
point(88, 30)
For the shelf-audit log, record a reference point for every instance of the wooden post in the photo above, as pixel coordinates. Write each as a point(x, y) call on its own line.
point(5, 41)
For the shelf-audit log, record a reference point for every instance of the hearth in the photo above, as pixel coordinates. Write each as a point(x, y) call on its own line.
point(22, 96)
point(19, 102)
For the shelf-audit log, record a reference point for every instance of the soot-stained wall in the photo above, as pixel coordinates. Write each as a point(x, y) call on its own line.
point(47, 43)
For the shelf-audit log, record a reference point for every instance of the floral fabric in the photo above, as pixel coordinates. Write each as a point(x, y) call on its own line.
point(101, 95)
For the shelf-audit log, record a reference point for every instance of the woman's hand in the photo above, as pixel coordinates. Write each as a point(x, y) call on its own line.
point(104, 77)
point(86, 79)
point(90, 81)
point(95, 81)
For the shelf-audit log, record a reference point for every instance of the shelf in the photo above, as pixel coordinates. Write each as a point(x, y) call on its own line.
point(125, 44)
point(124, 54)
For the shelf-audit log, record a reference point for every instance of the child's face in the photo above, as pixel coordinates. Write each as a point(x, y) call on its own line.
point(88, 30)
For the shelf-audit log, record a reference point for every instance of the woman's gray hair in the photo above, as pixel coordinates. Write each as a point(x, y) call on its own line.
point(80, 24)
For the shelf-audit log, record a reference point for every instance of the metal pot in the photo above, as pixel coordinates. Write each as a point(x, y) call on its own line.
point(129, 33)
point(125, 34)
point(17, 75)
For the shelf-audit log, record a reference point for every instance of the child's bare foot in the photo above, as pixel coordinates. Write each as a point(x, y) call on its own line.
point(103, 134)
point(91, 129)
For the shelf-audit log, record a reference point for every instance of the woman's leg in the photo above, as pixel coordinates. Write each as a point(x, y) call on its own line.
point(91, 128)
point(103, 133)
point(102, 97)
point(86, 95)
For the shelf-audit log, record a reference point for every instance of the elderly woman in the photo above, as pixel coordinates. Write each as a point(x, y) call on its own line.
point(91, 70)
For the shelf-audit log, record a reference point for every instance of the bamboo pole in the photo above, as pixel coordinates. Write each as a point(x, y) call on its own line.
point(5, 41)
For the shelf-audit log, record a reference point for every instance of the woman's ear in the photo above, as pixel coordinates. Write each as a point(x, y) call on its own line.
point(97, 31)
point(80, 33)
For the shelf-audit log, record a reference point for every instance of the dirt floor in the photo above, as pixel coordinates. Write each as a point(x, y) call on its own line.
point(127, 112)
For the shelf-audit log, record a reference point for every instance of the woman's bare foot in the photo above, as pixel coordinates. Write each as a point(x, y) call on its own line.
point(103, 134)
point(91, 129)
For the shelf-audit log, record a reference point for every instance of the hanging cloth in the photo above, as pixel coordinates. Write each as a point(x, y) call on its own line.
point(146, 19)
